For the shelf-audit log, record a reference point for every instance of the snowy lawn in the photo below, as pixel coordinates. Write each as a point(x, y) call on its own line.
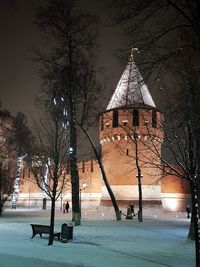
point(161, 240)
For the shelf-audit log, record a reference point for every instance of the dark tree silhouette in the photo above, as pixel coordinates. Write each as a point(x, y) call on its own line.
point(71, 36)
point(49, 162)
point(168, 37)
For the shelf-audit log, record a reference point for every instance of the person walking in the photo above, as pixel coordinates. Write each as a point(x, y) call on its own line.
point(188, 211)
point(132, 209)
point(67, 207)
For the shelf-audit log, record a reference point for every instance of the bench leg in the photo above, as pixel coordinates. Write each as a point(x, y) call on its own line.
point(58, 236)
point(33, 235)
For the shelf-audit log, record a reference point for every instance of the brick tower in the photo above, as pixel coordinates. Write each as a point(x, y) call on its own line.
point(130, 130)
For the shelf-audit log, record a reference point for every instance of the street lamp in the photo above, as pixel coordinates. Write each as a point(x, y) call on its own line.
point(84, 185)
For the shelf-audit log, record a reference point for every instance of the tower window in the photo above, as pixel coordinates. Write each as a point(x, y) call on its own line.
point(154, 119)
point(101, 126)
point(83, 166)
point(92, 167)
point(115, 118)
point(127, 152)
point(135, 117)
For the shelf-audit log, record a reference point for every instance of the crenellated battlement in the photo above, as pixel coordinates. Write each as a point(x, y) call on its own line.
point(124, 124)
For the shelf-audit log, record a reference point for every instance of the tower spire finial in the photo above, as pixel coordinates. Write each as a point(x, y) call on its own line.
point(134, 52)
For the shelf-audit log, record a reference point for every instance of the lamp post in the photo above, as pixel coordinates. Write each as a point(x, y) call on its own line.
point(84, 185)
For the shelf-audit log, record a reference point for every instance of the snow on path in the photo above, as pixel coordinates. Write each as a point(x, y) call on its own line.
point(99, 242)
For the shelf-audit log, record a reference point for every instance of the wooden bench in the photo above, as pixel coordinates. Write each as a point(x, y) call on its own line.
point(42, 229)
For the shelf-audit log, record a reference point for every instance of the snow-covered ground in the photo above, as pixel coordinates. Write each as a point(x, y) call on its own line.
point(160, 240)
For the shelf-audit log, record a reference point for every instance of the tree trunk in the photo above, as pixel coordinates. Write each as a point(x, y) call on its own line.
point(139, 176)
point(140, 215)
point(112, 196)
point(195, 218)
point(1, 203)
point(191, 233)
point(1, 207)
point(73, 146)
point(52, 219)
point(75, 192)
point(74, 174)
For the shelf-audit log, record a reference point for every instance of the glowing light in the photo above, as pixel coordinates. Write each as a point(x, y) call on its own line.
point(172, 204)
point(54, 101)
point(65, 112)
point(62, 99)
point(44, 182)
point(71, 150)
point(84, 185)
point(17, 181)
point(65, 124)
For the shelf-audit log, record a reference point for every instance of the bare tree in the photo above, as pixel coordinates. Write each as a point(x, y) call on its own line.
point(167, 34)
point(21, 134)
point(71, 36)
point(162, 30)
point(91, 90)
point(7, 158)
point(22, 139)
point(49, 162)
point(104, 176)
point(6, 183)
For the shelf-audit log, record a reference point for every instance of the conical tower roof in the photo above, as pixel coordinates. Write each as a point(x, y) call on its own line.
point(131, 89)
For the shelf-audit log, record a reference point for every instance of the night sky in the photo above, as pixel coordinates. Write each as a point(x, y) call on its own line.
point(19, 77)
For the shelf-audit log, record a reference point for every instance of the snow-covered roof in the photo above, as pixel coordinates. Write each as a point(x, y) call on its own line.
point(131, 89)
